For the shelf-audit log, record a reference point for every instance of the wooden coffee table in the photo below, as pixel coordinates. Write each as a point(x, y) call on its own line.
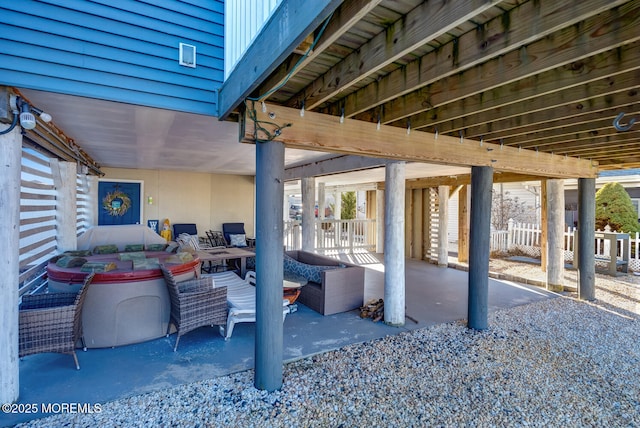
point(291, 285)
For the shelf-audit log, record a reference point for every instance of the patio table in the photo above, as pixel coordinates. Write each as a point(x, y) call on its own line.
point(219, 255)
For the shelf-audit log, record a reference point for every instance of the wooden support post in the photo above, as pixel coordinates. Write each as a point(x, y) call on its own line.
point(269, 265)
point(11, 154)
point(379, 221)
point(394, 291)
point(321, 206)
point(65, 178)
point(555, 232)
point(443, 226)
point(479, 244)
point(308, 188)
point(463, 224)
point(426, 224)
point(417, 251)
point(408, 222)
point(544, 207)
point(586, 236)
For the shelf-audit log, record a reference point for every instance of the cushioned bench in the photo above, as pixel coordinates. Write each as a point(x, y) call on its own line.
point(332, 288)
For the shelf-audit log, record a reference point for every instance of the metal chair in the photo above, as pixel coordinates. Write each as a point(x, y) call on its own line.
point(194, 303)
point(52, 322)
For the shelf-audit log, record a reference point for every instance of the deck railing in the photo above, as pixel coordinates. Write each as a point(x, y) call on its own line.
point(333, 235)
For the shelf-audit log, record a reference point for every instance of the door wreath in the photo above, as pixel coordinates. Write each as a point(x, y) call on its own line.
point(116, 203)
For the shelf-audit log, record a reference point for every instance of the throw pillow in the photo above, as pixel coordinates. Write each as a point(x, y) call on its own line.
point(188, 241)
point(239, 240)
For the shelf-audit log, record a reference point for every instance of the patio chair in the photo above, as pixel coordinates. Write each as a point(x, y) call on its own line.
point(241, 298)
point(235, 236)
point(192, 242)
point(194, 303)
point(52, 322)
point(216, 239)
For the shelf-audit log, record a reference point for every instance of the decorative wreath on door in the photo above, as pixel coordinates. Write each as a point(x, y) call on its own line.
point(116, 203)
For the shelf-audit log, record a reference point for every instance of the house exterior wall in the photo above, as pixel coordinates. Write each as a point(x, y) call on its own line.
point(125, 51)
point(244, 20)
point(208, 200)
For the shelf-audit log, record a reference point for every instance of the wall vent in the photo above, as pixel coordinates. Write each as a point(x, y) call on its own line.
point(187, 55)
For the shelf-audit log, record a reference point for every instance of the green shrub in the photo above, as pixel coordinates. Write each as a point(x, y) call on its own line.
point(614, 207)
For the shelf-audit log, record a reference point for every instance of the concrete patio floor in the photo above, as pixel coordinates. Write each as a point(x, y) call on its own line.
point(433, 295)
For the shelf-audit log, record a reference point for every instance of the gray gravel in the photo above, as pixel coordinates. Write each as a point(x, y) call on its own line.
point(559, 362)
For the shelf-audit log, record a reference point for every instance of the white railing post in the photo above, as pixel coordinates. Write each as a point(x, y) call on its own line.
point(350, 235)
point(510, 238)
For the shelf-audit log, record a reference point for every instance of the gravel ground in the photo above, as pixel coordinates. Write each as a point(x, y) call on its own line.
point(560, 362)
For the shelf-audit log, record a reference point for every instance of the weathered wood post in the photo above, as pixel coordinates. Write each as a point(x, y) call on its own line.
point(394, 291)
point(463, 224)
point(586, 237)
point(308, 188)
point(443, 226)
point(11, 155)
point(269, 264)
point(379, 221)
point(555, 234)
point(479, 244)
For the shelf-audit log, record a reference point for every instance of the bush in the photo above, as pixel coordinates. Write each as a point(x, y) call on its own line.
point(614, 208)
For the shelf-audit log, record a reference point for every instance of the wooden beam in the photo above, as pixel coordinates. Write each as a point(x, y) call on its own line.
point(604, 32)
point(463, 180)
point(292, 21)
point(551, 86)
point(559, 136)
point(347, 15)
point(332, 166)
point(580, 104)
point(428, 21)
point(315, 131)
point(493, 39)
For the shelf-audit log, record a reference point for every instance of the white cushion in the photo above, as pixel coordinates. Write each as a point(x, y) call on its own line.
point(239, 240)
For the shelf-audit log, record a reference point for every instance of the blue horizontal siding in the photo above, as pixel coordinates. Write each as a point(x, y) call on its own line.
point(125, 53)
point(75, 50)
point(106, 92)
point(119, 18)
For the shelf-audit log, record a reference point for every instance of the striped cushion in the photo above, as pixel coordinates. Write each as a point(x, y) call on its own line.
point(188, 241)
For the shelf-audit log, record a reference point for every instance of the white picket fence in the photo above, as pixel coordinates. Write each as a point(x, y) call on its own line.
point(525, 238)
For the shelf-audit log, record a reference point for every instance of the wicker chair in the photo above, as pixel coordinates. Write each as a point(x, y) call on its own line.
point(52, 322)
point(194, 303)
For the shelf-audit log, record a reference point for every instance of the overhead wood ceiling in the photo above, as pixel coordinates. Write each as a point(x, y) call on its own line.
point(541, 75)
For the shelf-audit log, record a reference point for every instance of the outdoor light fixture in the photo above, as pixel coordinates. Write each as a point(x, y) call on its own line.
point(27, 119)
point(22, 110)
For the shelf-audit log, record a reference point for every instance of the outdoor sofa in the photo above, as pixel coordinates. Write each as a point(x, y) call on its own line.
point(334, 286)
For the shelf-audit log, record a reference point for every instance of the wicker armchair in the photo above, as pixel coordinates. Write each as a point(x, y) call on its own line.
point(194, 303)
point(52, 322)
